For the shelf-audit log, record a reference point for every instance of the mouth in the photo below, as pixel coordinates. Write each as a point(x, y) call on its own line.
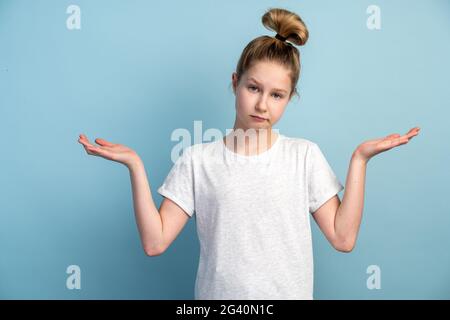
point(258, 118)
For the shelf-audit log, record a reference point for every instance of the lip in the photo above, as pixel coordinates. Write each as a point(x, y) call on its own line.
point(258, 118)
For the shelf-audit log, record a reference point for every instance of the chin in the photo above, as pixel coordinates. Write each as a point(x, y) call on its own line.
point(259, 126)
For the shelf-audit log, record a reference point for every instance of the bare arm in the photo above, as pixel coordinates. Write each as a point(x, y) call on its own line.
point(340, 222)
point(157, 228)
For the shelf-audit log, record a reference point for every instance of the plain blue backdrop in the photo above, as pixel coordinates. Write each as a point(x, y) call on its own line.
point(138, 70)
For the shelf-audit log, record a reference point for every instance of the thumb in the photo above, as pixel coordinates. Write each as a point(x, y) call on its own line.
point(103, 142)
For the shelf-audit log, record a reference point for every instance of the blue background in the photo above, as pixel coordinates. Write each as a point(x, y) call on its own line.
point(138, 70)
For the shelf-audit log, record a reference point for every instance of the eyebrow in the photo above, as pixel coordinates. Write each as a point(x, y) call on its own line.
point(276, 89)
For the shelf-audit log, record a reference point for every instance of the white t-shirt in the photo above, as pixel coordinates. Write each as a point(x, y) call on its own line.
point(253, 216)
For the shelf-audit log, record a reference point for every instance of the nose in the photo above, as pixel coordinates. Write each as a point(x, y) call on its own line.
point(261, 106)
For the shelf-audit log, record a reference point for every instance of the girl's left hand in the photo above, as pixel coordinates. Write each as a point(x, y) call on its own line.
point(368, 149)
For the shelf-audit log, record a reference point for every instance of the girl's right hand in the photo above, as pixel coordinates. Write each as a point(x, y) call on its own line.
point(108, 150)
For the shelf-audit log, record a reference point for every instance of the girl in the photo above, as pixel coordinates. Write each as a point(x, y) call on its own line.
point(253, 199)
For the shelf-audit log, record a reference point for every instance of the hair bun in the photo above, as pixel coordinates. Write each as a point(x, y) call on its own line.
point(286, 24)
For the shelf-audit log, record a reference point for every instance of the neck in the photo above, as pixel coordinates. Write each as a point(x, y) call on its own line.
point(250, 141)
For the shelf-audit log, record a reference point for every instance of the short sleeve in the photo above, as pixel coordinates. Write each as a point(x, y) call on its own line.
point(323, 184)
point(179, 183)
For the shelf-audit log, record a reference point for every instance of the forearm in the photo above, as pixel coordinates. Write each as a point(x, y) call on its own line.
point(349, 214)
point(147, 216)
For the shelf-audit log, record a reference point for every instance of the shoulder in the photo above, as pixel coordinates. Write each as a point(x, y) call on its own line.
point(198, 151)
point(298, 144)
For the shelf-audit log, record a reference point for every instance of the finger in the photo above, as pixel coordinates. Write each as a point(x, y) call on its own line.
point(413, 132)
point(400, 140)
point(394, 135)
point(103, 142)
point(83, 138)
point(84, 141)
point(85, 144)
point(96, 151)
point(393, 142)
point(89, 150)
point(388, 137)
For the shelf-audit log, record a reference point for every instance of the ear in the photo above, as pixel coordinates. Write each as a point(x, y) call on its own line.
point(234, 81)
point(293, 93)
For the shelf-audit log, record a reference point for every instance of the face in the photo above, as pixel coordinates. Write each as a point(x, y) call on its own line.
point(263, 91)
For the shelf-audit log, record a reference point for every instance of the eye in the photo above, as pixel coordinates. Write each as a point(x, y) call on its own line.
point(252, 87)
point(279, 96)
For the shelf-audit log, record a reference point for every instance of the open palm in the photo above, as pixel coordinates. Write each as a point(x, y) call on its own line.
point(370, 148)
point(108, 150)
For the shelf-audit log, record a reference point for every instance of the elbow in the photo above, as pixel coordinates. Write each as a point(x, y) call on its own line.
point(346, 246)
point(345, 249)
point(153, 251)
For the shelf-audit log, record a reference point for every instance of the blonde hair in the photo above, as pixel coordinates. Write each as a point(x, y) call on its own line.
point(265, 48)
